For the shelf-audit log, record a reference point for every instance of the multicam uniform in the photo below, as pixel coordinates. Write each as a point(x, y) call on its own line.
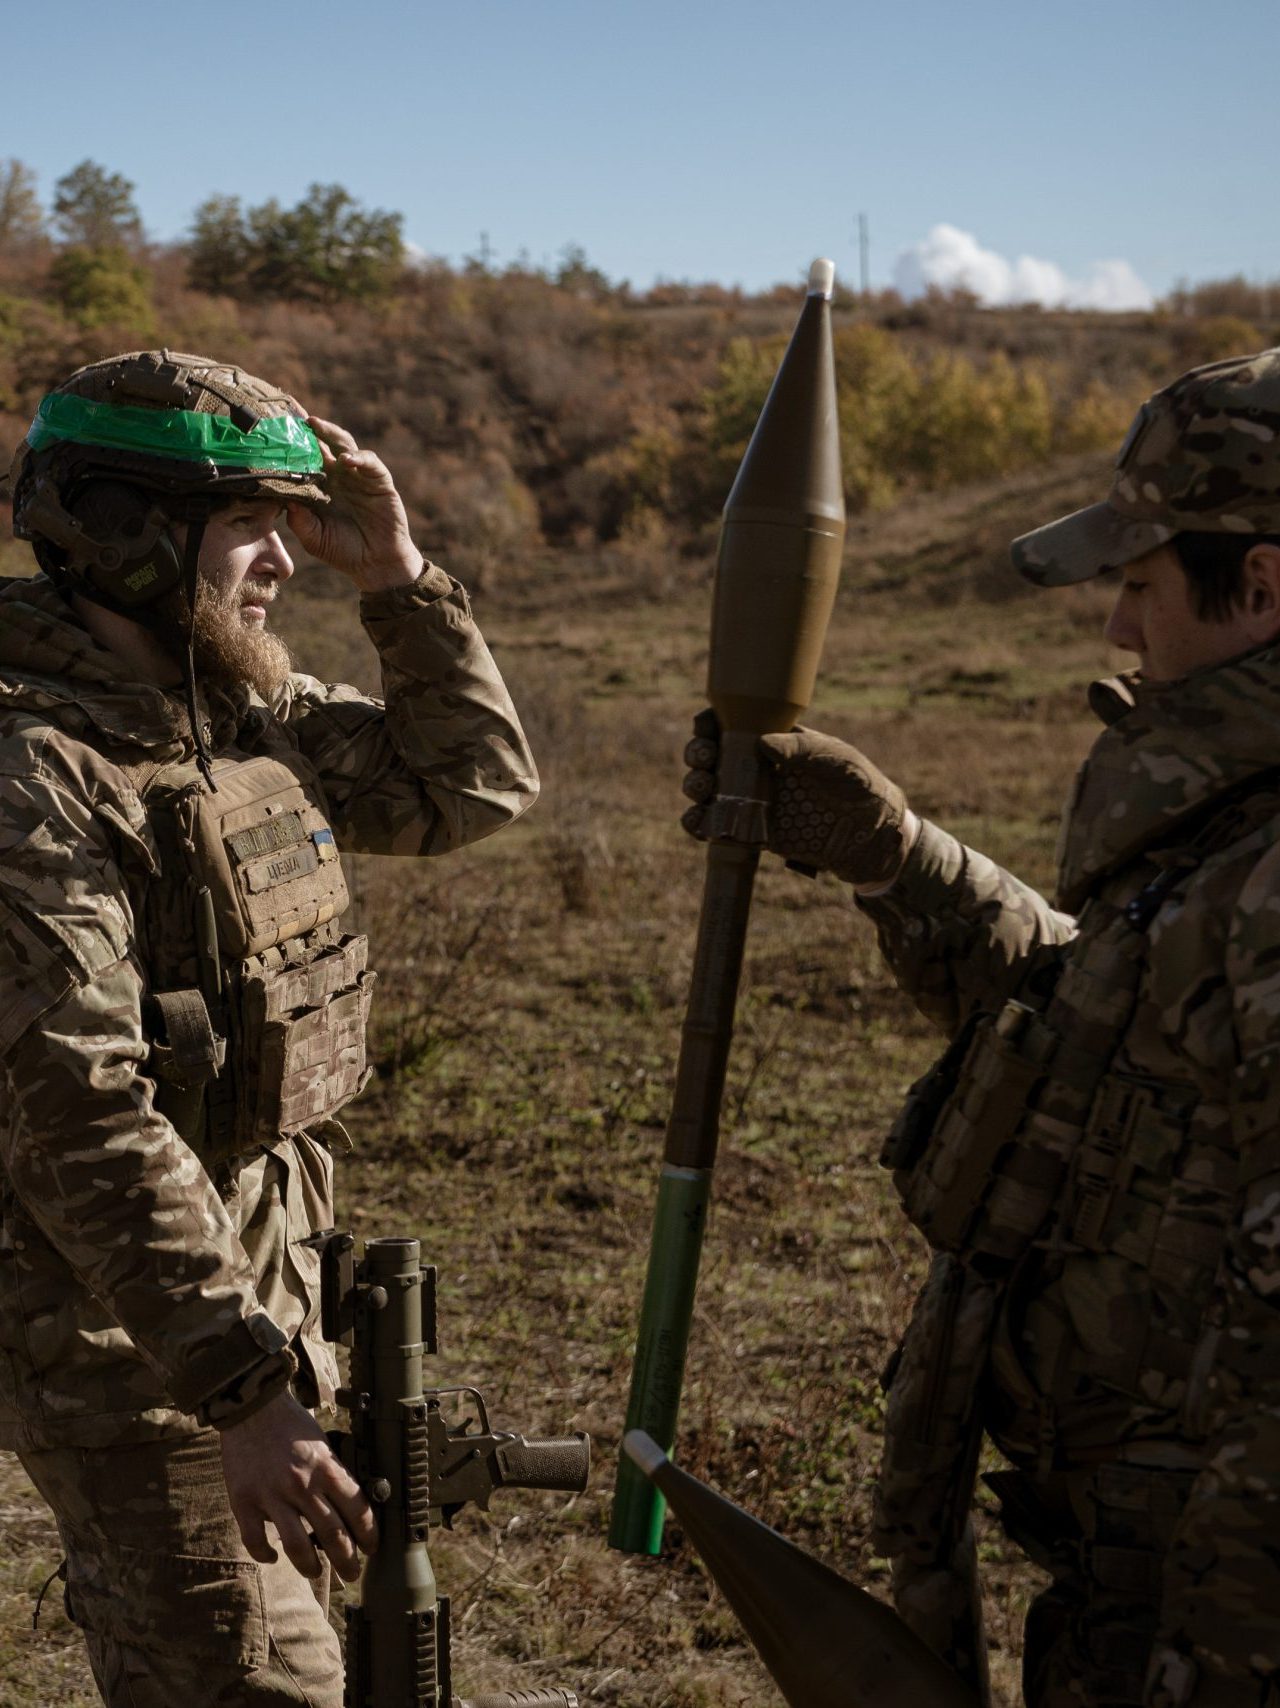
point(164, 1131)
point(1098, 1161)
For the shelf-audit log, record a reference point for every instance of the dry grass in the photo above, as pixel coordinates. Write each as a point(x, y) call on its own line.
point(527, 1033)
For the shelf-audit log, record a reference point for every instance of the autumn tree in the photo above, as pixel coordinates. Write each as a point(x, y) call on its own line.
point(21, 221)
point(95, 208)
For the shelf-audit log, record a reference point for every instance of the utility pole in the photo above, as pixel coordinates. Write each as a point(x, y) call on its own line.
point(864, 255)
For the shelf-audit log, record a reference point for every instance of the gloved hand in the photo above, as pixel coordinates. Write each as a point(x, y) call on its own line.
point(831, 808)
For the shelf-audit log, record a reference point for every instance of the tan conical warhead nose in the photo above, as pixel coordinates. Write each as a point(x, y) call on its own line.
point(782, 537)
point(827, 1643)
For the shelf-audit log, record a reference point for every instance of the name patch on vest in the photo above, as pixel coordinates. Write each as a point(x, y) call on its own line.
point(268, 870)
point(282, 831)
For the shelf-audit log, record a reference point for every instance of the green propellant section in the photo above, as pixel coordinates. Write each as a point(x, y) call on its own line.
point(279, 442)
point(417, 1470)
point(827, 1643)
point(781, 540)
point(636, 1522)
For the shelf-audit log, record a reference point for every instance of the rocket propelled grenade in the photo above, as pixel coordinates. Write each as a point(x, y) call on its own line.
point(781, 538)
point(827, 1643)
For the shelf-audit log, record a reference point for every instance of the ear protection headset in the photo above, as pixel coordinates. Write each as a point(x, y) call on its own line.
point(116, 546)
point(115, 541)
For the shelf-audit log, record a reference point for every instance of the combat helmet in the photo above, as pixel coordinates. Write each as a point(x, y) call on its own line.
point(126, 447)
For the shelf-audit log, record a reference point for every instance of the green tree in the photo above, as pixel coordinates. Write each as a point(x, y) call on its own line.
point(220, 250)
point(21, 221)
point(576, 274)
point(969, 422)
point(102, 287)
point(744, 374)
point(95, 208)
point(327, 248)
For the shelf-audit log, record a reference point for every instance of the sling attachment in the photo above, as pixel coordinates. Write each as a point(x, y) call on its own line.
point(192, 1054)
point(190, 586)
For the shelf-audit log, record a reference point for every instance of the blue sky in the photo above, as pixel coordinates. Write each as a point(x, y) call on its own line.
point(702, 140)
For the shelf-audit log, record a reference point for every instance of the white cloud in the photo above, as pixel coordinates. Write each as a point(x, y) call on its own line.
point(951, 259)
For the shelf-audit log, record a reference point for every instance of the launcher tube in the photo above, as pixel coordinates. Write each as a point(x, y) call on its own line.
point(779, 561)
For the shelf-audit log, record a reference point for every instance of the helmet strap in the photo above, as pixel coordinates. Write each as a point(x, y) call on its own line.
point(190, 582)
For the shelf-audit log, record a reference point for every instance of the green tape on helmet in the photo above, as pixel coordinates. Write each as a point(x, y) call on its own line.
point(280, 444)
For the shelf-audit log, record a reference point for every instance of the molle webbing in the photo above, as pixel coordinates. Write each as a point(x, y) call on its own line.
point(264, 849)
point(1138, 1131)
point(981, 1175)
point(309, 1024)
point(989, 1138)
point(260, 1031)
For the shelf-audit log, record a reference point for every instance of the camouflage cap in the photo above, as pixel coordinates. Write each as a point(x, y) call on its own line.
point(1201, 455)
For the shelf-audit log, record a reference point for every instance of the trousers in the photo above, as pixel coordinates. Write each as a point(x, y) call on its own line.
point(172, 1608)
point(1103, 1534)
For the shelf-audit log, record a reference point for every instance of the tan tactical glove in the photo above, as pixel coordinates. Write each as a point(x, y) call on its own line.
point(831, 809)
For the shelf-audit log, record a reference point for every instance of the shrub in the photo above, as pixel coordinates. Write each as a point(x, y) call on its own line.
point(103, 287)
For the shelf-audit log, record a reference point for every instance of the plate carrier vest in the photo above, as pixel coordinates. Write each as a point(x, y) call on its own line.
point(257, 1000)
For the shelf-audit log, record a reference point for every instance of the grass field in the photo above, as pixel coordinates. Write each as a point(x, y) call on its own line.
point(528, 1016)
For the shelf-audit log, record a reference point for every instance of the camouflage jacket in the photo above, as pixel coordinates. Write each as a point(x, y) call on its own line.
point(132, 1291)
point(1144, 1323)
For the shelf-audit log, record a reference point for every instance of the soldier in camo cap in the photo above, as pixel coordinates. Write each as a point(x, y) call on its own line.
point(1200, 457)
point(184, 1008)
point(1095, 1158)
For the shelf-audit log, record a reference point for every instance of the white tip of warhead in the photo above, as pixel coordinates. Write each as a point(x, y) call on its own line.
point(822, 279)
point(643, 1451)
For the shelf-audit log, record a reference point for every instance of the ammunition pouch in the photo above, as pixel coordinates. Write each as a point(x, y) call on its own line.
point(299, 1035)
point(1140, 1159)
point(985, 1144)
point(1152, 1181)
point(975, 1174)
point(192, 1053)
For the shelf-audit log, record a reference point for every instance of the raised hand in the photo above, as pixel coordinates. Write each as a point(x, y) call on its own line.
point(363, 530)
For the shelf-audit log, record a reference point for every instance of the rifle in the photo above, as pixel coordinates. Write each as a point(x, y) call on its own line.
point(417, 1470)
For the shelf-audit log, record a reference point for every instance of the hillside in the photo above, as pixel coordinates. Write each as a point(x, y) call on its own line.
point(520, 411)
